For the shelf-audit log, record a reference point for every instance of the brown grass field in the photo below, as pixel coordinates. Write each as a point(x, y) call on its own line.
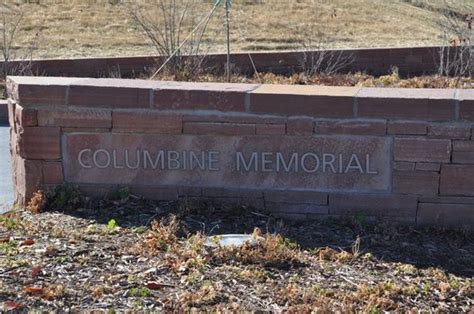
point(105, 28)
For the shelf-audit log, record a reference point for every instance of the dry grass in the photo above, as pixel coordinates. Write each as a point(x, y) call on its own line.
point(94, 28)
point(351, 79)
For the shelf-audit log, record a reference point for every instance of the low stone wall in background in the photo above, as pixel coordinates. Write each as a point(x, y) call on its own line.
point(377, 61)
point(404, 155)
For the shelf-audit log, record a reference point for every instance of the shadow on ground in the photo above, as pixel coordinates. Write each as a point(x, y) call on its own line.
point(452, 251)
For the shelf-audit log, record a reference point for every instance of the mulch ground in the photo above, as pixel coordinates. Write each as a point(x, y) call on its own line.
point(130, 254)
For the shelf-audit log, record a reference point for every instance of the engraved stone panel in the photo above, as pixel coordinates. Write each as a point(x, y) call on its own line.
point(325, 163)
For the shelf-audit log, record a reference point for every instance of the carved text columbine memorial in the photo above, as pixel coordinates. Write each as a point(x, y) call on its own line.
point(347, 163)
point(308, 162)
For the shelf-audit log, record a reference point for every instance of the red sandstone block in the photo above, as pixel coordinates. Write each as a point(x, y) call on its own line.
point(83, 130)
point(373, 204)
point(463, 157)
point(99, 191)
point(314, 101)
point(202, 96)
point(447, 200)
point(27, 178)
point(407, 128)
point(75, 118)
point(11, 113)
point(155, 193)
point(109, 97)
point(422, 150)
point(353, 127)
point(25, 116)
point(457, 180)
point(466, 104)
point(189, 192)
point(234, 201)
point(419, 182)
point(448, 215)
point(52, 172)
point(234, 118)
point(38, 90)
point(302, 197)
point(297, 208)
point(407, 103)
point(463, 146)
point(236, 193)
point(270, 129)
point(218, 128)
point(299, 126)
point(449, 131)
point(403, 166)
point(428, 166)
point(39, 143)
point(147, 122)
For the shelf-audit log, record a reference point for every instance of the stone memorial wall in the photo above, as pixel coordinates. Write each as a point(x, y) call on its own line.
point(404, 155)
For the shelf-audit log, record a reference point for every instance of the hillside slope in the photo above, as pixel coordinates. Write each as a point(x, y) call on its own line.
point(92, 28)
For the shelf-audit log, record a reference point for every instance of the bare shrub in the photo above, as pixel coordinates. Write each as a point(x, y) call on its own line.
point(177, 34)
point(456, 57)
point(318, 61)
point(10, 23)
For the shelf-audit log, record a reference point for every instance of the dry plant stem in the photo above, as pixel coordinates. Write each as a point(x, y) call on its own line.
point(8, 38)
point(11, 22)
point(254, 68)
point(168, 40)
point(456, 57)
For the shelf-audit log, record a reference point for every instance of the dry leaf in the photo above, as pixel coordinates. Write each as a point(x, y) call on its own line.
point(36, 291)
point(27, 242)
point(35, 272)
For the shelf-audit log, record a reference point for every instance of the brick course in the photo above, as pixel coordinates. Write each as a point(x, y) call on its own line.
point(422, 150)
point(146, 122)
point(419, 182)
point(206, 96)
point(75, 118)
point(457, 180)
point(353, 127)
point(407, 103)
point(303, 100)
point(42, 143)
point(218, 128)
point(407, 128)
point(447, 215)
point(373, 205)
point(300, 126)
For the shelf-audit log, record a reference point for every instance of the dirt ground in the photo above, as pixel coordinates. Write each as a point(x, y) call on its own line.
point(105, 28)
point(128, 253)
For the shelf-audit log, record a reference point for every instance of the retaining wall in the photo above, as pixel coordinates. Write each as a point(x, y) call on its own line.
point(404, 155)
point(3, 112)
point(410, 61)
